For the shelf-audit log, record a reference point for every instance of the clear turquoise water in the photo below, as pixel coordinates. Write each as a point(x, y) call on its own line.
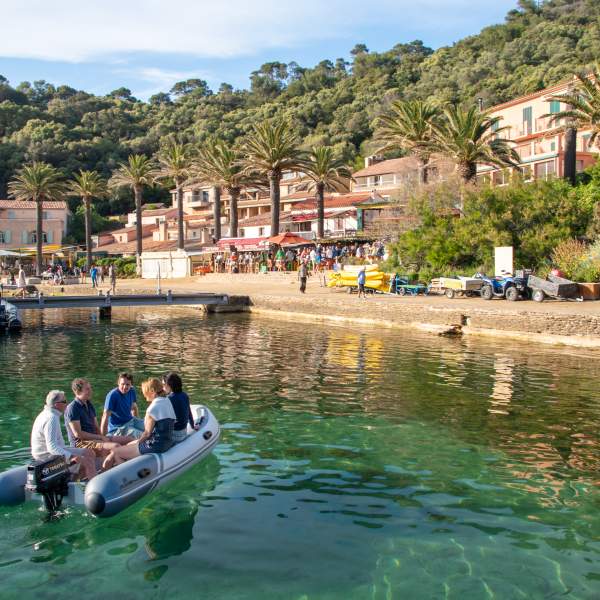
point(353, 464)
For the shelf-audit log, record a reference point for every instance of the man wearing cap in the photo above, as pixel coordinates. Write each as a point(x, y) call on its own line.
point(47, 439)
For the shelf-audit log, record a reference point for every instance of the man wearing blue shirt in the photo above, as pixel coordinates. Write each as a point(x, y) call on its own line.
point(361, 279)
point(120, 415)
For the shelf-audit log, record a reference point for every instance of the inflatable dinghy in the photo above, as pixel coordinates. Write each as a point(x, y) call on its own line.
point(114, 490)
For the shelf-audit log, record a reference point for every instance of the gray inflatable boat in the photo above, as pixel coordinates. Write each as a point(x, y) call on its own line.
point(114, 490)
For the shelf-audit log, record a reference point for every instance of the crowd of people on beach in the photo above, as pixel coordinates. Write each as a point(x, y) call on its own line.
point(316, 257)
point(121, 434)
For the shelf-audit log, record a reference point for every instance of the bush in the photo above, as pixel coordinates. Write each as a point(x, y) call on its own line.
point(577, 260)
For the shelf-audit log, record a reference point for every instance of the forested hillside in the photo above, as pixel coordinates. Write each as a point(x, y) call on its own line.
point(333, 103)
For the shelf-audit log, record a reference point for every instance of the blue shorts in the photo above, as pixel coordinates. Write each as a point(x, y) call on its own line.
point(150, 447)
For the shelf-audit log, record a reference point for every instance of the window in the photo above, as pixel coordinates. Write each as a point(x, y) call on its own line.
point(527, 120)
point(33, 237)
point(585, 142)
point(545, 170)
point(554, 107)
point(553, 147)
point(204, 196)
point(11, 214)
point(579, 166)
point(527, 172)
point(45, 215)
point(377, 180)
point(261, 231)
point(496, 125)
point(2, 238)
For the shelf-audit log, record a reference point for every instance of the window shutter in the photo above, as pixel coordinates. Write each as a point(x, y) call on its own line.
point(49, 237)
point(24, 237)
point(7, 236)
point(554, 107)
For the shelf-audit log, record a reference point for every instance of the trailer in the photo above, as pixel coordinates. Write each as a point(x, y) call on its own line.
point(456, 286)
point(401, 286)
point(553, 287)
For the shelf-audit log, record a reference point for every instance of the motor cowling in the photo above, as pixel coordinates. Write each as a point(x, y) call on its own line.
point(49, 477)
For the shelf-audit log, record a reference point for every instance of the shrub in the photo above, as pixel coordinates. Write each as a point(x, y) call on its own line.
point(578, 261)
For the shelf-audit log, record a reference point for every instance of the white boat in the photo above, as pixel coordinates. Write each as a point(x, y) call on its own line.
point(114, 490)
point(9, 317)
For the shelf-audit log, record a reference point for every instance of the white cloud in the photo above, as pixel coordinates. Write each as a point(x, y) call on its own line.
point(80, 31)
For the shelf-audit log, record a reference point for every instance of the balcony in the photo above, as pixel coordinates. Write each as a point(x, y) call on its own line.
point(198, 203)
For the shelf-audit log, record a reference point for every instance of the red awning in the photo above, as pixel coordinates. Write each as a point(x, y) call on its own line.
point(256, 243)
point(288, 239)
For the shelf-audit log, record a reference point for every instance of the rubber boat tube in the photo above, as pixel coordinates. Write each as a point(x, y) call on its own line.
point(109, 493)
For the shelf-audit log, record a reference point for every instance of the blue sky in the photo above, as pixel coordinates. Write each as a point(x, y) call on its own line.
point(147, 45)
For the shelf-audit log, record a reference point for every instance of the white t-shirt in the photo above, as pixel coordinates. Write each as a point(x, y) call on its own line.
point(161, 408)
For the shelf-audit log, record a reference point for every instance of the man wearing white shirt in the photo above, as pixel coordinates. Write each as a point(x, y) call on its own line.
point(47, 439)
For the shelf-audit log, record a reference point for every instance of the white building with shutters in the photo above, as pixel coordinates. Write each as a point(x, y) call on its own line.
point(18, 223)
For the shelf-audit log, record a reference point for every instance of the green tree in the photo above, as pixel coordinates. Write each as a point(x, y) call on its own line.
point(88, 185)
point(137, 172)
point(582, 112)
point(469, 137)
point(220, 165)
point(175, 162)
point(408, 127)
point(327, 172)
point(37, 182)
point(270, 149)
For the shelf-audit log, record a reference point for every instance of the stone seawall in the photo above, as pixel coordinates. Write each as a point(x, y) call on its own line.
point(543, 327)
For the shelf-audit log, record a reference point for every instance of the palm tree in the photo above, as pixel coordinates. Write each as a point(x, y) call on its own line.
point(39, 182)
point(138, 171)
point(270, 149)
point(469, 137)
point(409, 127)
point(88, 185)
point(175, 164)
point(326, 172)
point(582, 112)
point(220, 165)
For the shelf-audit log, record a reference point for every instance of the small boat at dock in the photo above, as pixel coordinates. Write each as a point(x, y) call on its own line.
point(114, 490)
point(9, 317)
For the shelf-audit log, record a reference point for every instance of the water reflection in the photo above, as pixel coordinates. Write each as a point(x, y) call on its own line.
point(353, 463)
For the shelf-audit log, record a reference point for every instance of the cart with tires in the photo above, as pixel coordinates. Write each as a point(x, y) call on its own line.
point(401, 286)
point(553, 287)
point(452, 287)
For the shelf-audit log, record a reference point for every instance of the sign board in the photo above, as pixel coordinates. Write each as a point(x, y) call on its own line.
point(503, 260)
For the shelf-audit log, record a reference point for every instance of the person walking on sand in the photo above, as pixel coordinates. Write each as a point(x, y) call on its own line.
point(112, 275)
point(94, 276)
point(361, 279)
point(302, 276)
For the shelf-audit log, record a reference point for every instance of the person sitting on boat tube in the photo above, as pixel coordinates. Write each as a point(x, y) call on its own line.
point(47, 439)
point(173, 387)
point(158, 427)
point(82, 424)
point(120, 415)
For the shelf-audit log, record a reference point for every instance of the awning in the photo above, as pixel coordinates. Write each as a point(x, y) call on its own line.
point(256, 243)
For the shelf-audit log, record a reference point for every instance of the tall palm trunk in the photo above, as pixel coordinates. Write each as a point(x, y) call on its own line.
point(423, 171)
point(217, 212)
point(87, 204)
point(274, 192)
point(39, 232)
point(467, 171)
point(137, 191)
point(180, 233)
point(233, 211)
point(570, 164)
point(320, 210)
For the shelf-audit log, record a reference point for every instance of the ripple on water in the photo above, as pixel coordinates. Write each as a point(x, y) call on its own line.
point(352, 464)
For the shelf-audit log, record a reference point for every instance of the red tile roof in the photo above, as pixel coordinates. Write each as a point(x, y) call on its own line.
point(149, 246)
point(159, 212)
point(335, 201)
point(146, 229)
point(48, 205)
point(385, 167)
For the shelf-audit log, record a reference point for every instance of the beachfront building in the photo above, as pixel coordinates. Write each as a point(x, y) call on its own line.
point(18, 223)
point(539, 144)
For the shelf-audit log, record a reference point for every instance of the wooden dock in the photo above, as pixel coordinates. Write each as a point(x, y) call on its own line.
point(106, 302)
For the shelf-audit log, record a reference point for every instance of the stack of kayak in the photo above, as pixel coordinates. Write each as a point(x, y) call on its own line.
point(347, 277)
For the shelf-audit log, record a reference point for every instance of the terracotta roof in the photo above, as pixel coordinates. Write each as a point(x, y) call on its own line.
point(312, 216)
point(335, 201)
point(159, 212)
point(48, 205)
point(394, 165)
point(149, 246)
point(198, 217)
point(146, 229)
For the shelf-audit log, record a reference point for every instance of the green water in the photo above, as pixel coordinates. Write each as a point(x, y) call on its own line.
point(353, 464)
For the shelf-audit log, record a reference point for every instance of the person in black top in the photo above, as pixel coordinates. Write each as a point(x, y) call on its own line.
point(173, 386)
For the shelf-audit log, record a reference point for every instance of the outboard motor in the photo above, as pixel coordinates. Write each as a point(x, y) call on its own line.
point(50, 478)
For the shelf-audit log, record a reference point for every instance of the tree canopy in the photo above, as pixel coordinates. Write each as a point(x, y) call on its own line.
point(335, 103)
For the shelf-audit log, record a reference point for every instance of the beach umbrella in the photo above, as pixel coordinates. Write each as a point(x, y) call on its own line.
point(8, 253)
point(288, 239)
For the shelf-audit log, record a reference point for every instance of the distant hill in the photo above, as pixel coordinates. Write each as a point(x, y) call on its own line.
point(334, 102)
